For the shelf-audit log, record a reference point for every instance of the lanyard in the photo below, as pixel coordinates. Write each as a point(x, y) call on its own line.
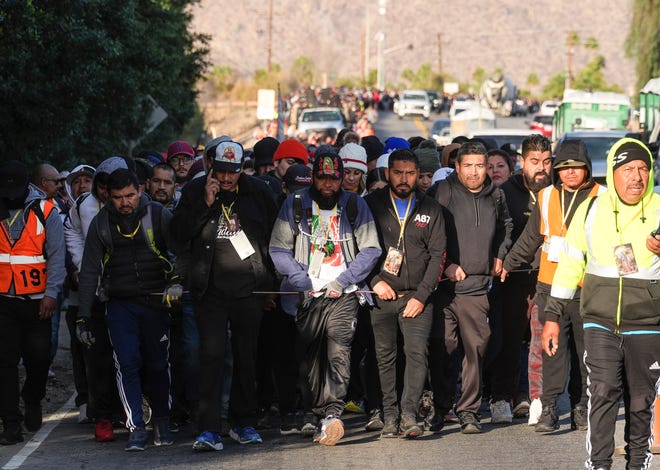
point(533, 196)
point(129, 235)
point(227, 212)
point(13, 219)
point(564, 216)
point(327, 228)
point(398, 217)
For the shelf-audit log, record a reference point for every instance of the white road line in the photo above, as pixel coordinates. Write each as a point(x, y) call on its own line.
point(33, 444)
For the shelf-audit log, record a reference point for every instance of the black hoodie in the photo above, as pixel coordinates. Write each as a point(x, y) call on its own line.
point(477, 231)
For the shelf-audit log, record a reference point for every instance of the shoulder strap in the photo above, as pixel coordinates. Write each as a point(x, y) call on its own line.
point(591, 203)
point(297, 212)
point(35, 206)
point(80, 200)
point(154, 238)
point(352, 209)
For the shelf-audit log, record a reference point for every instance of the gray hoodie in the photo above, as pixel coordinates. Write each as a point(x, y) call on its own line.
point(54, 248)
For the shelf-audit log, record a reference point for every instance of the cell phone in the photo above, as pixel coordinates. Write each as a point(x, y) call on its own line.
point(656, 232)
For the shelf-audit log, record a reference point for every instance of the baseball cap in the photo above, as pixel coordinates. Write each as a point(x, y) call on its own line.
point(328, 164)
point(180, 147)
point(227, 156)
point(14, 179)
point(297, 177)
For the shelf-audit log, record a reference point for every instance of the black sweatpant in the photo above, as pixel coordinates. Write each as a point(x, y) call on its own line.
point(466, 322)
point(365, 381)
point(22, 334)
point(387, 320)
point(504, 371)
point(570, 351)
point(244, 315)
point(328, 345)
point(621, 365)
point(77, 357)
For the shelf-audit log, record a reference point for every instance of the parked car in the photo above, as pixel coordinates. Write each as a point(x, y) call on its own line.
point(441, 131)
point(541, 123)
point(330, 120)
point(413, 102)
point(548, 107)
point(598, 145)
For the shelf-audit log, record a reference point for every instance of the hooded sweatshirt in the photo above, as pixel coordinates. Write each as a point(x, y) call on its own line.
point(527, 245)
point(620, 302)
point(53, 247)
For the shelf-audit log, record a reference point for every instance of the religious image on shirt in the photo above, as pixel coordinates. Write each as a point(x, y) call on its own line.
point(325, 234)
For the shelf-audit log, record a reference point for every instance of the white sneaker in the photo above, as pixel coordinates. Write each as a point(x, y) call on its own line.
point(535, 412)
point(500, 412)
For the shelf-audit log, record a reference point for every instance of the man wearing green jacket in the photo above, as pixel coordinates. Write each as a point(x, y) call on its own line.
point(609, 247)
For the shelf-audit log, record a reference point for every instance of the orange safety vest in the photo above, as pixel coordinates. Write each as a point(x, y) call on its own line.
point(23, 263)
point(549, 202)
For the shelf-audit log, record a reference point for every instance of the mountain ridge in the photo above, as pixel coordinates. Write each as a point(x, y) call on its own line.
point(520, 38)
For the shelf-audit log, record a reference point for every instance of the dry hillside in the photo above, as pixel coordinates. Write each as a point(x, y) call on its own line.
point(519, 37)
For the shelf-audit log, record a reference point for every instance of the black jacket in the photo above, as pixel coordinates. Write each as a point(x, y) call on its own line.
point(520, 203)
point(423, 243)
point(477, 231)
point(196, 224)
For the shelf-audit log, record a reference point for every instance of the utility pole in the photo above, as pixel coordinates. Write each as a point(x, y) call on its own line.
point(270, 34)
point(366, 50)
point(569, 74)
point(440, 53)
point(382, 9)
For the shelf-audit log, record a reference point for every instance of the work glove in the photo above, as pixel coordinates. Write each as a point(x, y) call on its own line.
point(84, 332)
point(172, 294)
point(333, 290)
point(300, 281)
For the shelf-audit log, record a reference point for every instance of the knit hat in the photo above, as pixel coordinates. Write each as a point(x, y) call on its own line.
point(14, 179)
point(291, 148)
point(264, 150)
point(354, 156)
point(429, 159)
point(373, 146)
point(328, 164)
point(629, 152)
point(394, 143)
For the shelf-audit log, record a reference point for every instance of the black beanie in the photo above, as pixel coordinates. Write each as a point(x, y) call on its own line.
point(264, 150)
point(373, 146)
point(630, 151)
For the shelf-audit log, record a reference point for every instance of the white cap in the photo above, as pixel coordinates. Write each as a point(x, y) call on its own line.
point(383, 161)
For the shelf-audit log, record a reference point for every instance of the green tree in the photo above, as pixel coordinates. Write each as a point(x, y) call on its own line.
point(223, 78)
point(555, 86)
point(425, 78)
point(592, 77)
point(303, 70)
point(76, 77)
point(533, 79)
point(643, 40)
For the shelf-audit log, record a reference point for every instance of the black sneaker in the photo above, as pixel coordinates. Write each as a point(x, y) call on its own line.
point(437, 422)
point(469, 422)
point(33, 416)
point(375, 422)
point(579, 418)
point(11, 435)
point(289, 424)
point(548, 422)
point(410, 429)
point(390, 428)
